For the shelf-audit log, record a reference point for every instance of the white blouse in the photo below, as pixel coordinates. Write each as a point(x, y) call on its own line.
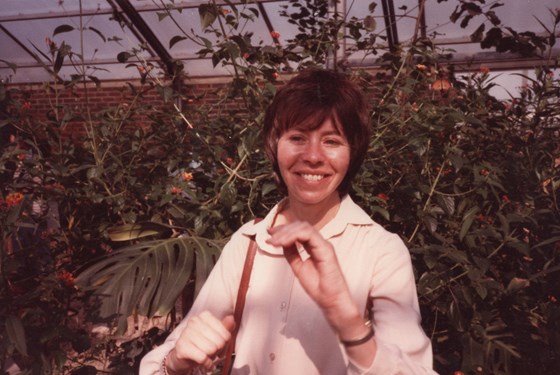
point(284, 332)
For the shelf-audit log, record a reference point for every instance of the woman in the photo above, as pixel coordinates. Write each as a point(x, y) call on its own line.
point(323, 267)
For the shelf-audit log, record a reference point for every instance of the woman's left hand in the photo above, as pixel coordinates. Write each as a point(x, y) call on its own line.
point(321, 277)
point(320, 274)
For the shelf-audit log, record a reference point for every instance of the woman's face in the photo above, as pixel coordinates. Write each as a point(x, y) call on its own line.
point(313, 163)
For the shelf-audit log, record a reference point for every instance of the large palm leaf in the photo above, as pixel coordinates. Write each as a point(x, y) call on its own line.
point(149, 276)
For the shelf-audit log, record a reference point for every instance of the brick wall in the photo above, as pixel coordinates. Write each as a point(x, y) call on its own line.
point(45, 102)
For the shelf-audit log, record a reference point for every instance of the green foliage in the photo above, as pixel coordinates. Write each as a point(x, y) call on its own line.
point(472, 185)
point(147, 277)
point(469, 181)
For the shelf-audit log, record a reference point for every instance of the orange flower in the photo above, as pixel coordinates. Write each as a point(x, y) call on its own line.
point(421, 67)
point(441, 85)
point(484, 69)
point(275, 34)
point(13, 199)
point(444, 172)
point(50, 43)
point(66, 277)
point(108, 249)
point(382, 196)
point(175, 190)
point(483, 218)
point(186, 176)
point(275, 75)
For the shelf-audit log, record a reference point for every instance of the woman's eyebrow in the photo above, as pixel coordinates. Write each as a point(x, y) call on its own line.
point(335, 131)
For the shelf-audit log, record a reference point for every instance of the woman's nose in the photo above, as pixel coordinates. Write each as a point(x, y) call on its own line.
point(313, 153)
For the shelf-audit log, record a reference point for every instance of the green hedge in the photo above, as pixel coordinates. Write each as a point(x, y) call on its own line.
point(469, 181)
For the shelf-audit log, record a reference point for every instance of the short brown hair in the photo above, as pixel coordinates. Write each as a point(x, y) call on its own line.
point(308, 100)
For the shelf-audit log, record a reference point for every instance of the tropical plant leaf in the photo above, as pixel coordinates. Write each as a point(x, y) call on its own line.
point(16, 333)
point(467, 221)
point(176, 39)
point(129, 232)
point(148, 277)
point(207, 13)
point(447, 203)
point(98, 32)
point(369, 23)
point(63, 29)
point(204, 264)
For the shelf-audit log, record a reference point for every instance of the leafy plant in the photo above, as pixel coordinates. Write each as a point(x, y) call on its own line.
point(146, 278)
point(469, 181)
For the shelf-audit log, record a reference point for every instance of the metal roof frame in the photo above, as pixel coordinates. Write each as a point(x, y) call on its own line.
point(132, 12)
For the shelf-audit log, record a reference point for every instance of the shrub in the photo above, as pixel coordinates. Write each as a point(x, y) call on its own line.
point(469, 181)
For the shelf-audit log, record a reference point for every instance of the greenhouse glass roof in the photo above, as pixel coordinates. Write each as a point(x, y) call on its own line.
point(113, 26)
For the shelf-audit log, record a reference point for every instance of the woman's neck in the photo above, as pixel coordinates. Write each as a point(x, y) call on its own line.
point(317, 215)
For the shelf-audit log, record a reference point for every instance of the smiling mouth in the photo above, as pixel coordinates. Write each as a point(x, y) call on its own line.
point(312, 177)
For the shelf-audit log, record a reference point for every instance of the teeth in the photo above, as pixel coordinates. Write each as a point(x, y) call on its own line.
point(312, 177)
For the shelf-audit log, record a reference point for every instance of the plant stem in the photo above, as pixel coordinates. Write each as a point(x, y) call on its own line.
point(432, 191)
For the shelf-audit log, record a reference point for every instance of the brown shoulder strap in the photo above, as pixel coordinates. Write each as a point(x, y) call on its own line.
point(240, 303)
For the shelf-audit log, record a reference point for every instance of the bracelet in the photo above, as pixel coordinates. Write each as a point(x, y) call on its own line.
point(366, 338)
point(163, 367)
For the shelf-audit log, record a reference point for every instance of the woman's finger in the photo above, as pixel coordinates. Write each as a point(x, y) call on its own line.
point(301, 232)
point(291, 254)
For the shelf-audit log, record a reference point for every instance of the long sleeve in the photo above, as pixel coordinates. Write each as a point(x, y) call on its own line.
point(217, 296)
point(403, 347)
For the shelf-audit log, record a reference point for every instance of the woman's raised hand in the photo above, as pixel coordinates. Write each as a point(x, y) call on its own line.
point(320, 274)
point(321, 277)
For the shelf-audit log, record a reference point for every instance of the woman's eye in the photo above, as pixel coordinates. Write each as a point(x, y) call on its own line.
point(333, 142)
point(296, 138)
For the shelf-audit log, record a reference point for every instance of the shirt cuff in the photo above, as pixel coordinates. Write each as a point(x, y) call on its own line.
point(383, 364)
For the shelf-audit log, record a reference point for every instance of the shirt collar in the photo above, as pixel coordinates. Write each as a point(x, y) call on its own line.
point(349, 213)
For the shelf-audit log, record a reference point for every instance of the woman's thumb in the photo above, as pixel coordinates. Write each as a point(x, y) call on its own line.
point(229, 323)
